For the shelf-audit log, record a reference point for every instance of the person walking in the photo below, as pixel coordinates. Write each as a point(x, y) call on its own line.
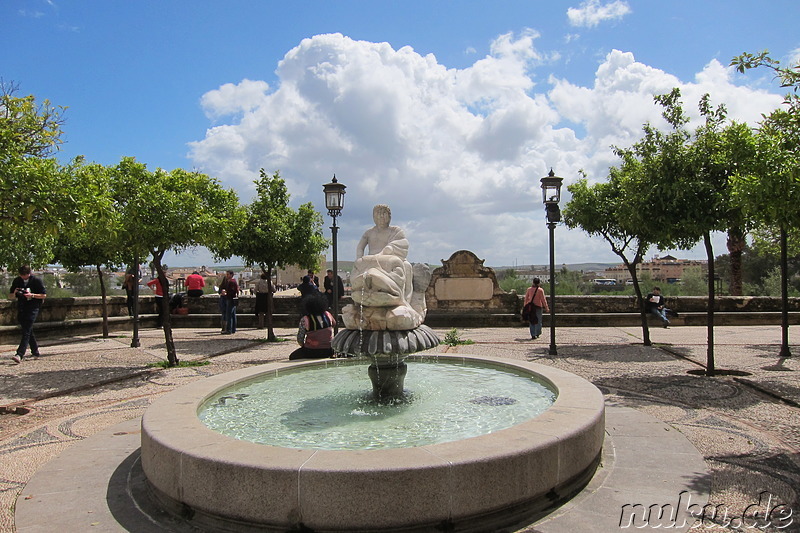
point(535, 304)
point(29, 292)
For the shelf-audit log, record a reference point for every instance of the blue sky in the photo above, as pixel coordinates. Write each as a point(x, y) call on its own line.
point(450, 112)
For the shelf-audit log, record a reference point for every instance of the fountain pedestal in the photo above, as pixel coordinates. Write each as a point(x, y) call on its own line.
point(387, 380)
point(387, 350)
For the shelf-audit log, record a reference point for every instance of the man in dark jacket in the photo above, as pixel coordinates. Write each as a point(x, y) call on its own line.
point(29, 292)
point(329, 288)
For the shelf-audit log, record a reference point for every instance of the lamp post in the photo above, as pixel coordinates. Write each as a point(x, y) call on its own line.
point(551, 195)
point(135, 339)
point(334, 202)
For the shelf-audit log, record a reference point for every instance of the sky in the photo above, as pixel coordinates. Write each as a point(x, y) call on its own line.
point(450, 112)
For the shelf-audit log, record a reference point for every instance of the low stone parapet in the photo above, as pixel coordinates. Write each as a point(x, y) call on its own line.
point(83, 316)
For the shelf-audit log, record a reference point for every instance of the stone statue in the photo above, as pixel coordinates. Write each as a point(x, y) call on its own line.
point(382, 280)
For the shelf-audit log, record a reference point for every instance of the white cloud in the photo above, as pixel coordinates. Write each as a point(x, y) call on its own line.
point(591, 12)
point(793, 58)
point(457, 153)
point(232, 99)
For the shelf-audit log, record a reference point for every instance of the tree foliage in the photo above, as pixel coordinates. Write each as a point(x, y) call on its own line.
point(37, 195)
point(93, 241)
point(611, 210)
point(771, 189)
point(274, 235)
point(172, 210)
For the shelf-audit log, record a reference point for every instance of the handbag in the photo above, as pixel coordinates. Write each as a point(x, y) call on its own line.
point(527, 310)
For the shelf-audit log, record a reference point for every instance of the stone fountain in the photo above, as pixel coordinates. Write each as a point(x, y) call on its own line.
point(483, 483)
point(385, 322)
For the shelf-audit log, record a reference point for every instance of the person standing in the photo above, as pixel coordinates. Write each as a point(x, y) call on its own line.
point(129, 283)
point(155, 285)
point(231, 295)
point(29, 292)
point(263, 288)
point(538, 305)
point(222, 304)
point(654, 304)
point(315, 332)
point(329, 288)
point(194, 285)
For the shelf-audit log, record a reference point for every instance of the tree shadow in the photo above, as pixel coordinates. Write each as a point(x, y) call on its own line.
point(779, 465)
point(78, 381)
point(608, 353)
point(682, 390)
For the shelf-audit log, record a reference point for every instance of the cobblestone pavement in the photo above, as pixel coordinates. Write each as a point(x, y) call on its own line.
point(745, 421)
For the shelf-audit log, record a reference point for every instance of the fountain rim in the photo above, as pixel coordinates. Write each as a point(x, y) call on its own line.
point(180, 454)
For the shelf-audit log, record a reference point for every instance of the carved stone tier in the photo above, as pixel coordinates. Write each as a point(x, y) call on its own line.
point(384, 345)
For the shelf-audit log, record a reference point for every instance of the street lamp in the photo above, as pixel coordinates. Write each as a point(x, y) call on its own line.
point(135, 343)
point(334, 202)
point(551, 195)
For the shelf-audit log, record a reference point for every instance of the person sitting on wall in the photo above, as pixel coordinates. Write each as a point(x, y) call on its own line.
point(195, 284)
point(654, 304)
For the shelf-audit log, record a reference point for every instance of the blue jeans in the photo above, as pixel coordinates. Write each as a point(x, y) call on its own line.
point(230, 315)
point(660, 313)
point(536, 329)
point(26, 318)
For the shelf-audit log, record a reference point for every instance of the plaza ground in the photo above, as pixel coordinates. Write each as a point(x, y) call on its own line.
point(745, 424)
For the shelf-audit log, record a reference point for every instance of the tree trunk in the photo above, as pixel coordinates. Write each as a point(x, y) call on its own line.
point(710, 370)
point(172, 356)
point(270, 306)
point(785, 352)
point(640, 300)
point(103, 298)
point(736, 243)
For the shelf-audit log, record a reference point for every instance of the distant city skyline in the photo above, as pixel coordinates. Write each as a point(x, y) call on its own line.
point(448, 112)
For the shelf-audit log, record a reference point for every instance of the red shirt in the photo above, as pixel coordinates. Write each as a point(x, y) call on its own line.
point(195, 282)
point(154, 284)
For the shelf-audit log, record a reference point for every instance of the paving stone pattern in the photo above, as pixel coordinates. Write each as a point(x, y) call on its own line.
point(746, 425)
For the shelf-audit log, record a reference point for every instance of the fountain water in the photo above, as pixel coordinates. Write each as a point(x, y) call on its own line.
point(478, 483)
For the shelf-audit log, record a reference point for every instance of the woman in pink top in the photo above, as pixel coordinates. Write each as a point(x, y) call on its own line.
point(316, 329)
point(535, 296)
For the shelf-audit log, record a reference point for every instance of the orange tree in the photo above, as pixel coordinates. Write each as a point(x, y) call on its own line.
point(275, 235)
point(172, 210)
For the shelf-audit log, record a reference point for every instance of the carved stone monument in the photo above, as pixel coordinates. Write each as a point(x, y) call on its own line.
point(464, 284)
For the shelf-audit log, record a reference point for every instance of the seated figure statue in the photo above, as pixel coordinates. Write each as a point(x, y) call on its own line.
point(382, 280)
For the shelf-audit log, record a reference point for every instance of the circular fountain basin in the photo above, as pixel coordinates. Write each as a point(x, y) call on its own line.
point(479, 483)
point(333, 408)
